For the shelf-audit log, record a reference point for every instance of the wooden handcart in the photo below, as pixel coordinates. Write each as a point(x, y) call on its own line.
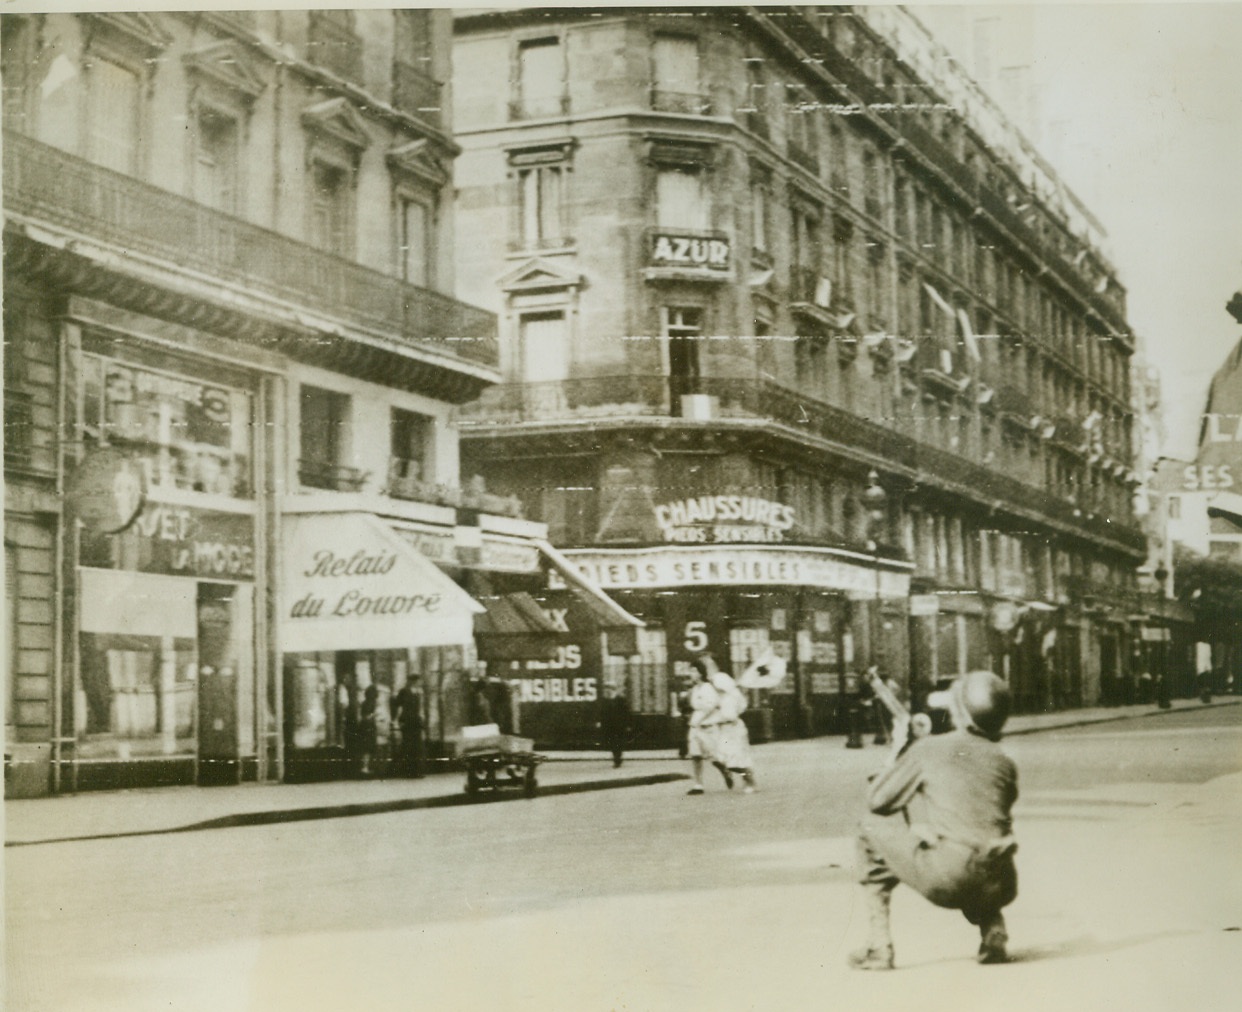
point(496, 762)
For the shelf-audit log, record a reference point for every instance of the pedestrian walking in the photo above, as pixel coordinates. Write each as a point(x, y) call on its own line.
point(940, 822)
point(684, 709)
point(703, 737)
point(614, 722)
point(408, 713)
point(368, 731)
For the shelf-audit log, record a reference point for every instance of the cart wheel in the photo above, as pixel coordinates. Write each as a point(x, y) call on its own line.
point(472, 783)
point(530, 786)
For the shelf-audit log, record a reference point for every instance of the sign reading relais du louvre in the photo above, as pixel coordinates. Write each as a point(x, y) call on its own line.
point(724, 519)
point(670, 248)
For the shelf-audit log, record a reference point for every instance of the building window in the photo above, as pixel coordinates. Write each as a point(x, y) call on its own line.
point(417, 240)
point(754, 104)
point(115, 116)
point(807, 258)
point(410, 437)
point(187, 434)
point(331, 193)
point(871, 184)
point(332, 44)
point(541, 79)
point(540, 201)
point(323, 431)
point(543, 344)
point(415, 89)
point(682, 328)
point(759, 211)
point(681, 199)
point(800, 113)
point(675, 77)
point(216, 160)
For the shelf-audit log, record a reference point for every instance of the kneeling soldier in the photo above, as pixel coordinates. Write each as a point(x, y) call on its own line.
point(940, 822)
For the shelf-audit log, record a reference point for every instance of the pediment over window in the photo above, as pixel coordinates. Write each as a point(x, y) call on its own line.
point(227, 64)
point(538, 274)
point(134, 28)
point(337, 119)
point(418, 158)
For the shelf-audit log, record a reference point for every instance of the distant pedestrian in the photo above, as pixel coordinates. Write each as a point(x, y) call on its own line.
point(368, 731)
point(408, 713)
point(684, 709)
point(940, 822)
point(614, 722)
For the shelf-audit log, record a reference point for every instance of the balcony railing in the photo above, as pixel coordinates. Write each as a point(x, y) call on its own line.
point(334, 47)
point(44, 183)
point(416, 93)
point(757, 123)
point(687, 102)
point(626, 397)
point(330, 475)
point(404, 483)
point(18, 428)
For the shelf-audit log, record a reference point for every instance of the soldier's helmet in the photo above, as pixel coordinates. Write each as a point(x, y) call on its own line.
point(984, 699)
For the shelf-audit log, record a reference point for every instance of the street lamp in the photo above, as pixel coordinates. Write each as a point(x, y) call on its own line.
point(875, 499)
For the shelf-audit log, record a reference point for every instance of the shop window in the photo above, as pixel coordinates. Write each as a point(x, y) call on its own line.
point(540, 80)
point(675, 80)
point(324, 421)
point(645, 674)
point(189, 435)
point(216, 160)
point(411, 434)
point(681, 198)
point(114, 123)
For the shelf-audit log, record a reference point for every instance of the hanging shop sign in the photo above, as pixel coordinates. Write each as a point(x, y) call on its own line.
point(767, 565)
point(724, 519)
point(349, 583)
point(675, 249)
point(107, 491)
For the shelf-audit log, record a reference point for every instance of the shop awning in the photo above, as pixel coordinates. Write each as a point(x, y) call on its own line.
point(514, 628)
point(608, 613)
point(350, 583)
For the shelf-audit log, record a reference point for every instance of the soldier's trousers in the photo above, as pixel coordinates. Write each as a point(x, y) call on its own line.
point(951, 874)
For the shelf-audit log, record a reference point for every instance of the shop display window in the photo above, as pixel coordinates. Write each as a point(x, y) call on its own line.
point(189, 434)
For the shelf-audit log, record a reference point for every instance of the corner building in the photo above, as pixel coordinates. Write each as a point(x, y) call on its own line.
point(233, 500)
point(741, 259)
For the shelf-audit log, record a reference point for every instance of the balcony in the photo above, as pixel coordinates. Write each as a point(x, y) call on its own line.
point(18, 429)
point(688, 103)
point(415, 93)
point(334, 47)
point(330, 475)
point(48, 185)
point(800, 156)
point(622, 399)
point(404, 483)
point(757, 123)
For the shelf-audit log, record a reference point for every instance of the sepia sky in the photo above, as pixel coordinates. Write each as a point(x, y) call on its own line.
point(1140, 108)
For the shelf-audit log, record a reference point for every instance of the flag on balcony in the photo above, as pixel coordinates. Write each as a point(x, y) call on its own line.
point(968, 335)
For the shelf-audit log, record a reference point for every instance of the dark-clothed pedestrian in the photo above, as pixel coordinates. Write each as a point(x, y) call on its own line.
point(940, 822)
point(368, 732)
point(614, 722)
point(407, 711)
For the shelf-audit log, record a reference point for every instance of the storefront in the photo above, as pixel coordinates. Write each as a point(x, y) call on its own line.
point(167, 686)
point(816, 607)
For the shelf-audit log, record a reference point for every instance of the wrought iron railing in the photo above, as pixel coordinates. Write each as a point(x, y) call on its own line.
point(44, 183)
point(416, 93)
point(327, 474)
point(688, 102)
point(625, 397)
point(334, 47)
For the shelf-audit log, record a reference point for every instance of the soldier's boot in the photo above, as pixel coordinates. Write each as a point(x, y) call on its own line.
point(878, 952)
point(993, 939)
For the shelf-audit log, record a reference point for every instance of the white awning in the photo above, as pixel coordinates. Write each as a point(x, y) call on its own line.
point(350, 583)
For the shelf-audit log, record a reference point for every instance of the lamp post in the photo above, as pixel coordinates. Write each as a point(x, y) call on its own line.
point(874, 500)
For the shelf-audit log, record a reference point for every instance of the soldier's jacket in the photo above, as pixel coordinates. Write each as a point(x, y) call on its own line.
point(957, 786)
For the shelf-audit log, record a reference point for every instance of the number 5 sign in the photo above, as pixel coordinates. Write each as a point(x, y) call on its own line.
point(696, 637)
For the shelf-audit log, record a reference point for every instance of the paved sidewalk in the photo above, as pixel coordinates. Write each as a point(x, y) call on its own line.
point(104, 814)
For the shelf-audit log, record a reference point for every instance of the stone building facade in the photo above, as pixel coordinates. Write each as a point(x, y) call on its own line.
point(805, 350)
